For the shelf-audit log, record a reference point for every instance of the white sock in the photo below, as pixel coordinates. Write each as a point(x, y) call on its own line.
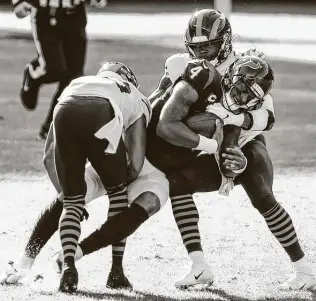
point(25, 262)
point(302, 266)
point(198, 257)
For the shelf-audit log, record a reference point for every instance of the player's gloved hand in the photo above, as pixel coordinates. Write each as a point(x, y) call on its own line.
point(235, 160)
point(255, 51)
point(22, 9)
point(98, 3)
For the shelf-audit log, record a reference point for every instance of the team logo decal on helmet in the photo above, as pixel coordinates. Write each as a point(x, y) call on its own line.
point(209, 36)
point(122, 70)
point(245, 84)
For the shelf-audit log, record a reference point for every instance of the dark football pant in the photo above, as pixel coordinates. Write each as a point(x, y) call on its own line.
point(203, 175)
point(75, 123)
point(61, 50)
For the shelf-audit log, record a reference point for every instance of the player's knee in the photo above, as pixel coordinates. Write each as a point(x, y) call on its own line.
point(178, 184)
point(149, 201)
point(263, 201)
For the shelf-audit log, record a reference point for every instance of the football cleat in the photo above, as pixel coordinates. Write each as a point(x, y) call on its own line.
point(299, 281)
point(29, 91)
point(13, 274)
point(199, 274)
point(117, 280)
point(69, 280)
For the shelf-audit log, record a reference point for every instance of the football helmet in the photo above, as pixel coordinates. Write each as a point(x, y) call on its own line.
point(209, 36)
point(245, 83)
point(119, 68)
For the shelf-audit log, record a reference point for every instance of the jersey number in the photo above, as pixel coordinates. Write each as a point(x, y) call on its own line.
point(123, 86)
point(195, 71)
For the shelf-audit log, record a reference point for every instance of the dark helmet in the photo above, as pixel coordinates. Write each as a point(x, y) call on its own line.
point(119, 68)
point(245, 84)
point(209, 36)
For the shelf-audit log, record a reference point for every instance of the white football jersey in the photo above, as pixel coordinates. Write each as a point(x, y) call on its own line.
point(176, 64)
point(127, 102)
point(131, 103)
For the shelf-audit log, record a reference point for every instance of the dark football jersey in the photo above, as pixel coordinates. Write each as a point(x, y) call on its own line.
point(205, 79)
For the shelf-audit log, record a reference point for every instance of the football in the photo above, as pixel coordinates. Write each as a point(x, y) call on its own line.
point(202, 123)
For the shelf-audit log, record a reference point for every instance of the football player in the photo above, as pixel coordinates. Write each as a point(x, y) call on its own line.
point(102, 119)
point(209, 37)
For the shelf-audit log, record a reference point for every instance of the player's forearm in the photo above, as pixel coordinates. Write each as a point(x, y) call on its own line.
point(178, 133)
point(156, 94)
point(164, 84)
point(135, 142)
point(49, 160)
point(258, 120)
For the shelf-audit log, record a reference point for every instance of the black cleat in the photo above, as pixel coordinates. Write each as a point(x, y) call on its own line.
point(117, 280)
point(69, 280)
point(29, 91)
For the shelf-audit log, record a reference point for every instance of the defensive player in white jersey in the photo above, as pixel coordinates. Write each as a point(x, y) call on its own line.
point(94, 116)
point(108, 115)
point(208, 36)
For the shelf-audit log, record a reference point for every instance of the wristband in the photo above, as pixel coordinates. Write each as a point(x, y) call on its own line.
point(208, 145)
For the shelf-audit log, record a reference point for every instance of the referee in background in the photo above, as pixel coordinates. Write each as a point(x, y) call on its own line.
point(59, 33)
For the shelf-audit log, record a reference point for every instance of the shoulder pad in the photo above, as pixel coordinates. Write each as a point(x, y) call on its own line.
point(175, 64)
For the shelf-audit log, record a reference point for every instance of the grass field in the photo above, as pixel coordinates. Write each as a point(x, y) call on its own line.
point(247, 261)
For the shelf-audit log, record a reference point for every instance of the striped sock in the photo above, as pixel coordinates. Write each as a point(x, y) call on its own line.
point(69, 226)
point(281, 226)
point(187, 218)
point(117, 203)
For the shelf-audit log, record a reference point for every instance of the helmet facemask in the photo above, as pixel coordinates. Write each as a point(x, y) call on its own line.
point(244, 84)
point(243, 95)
